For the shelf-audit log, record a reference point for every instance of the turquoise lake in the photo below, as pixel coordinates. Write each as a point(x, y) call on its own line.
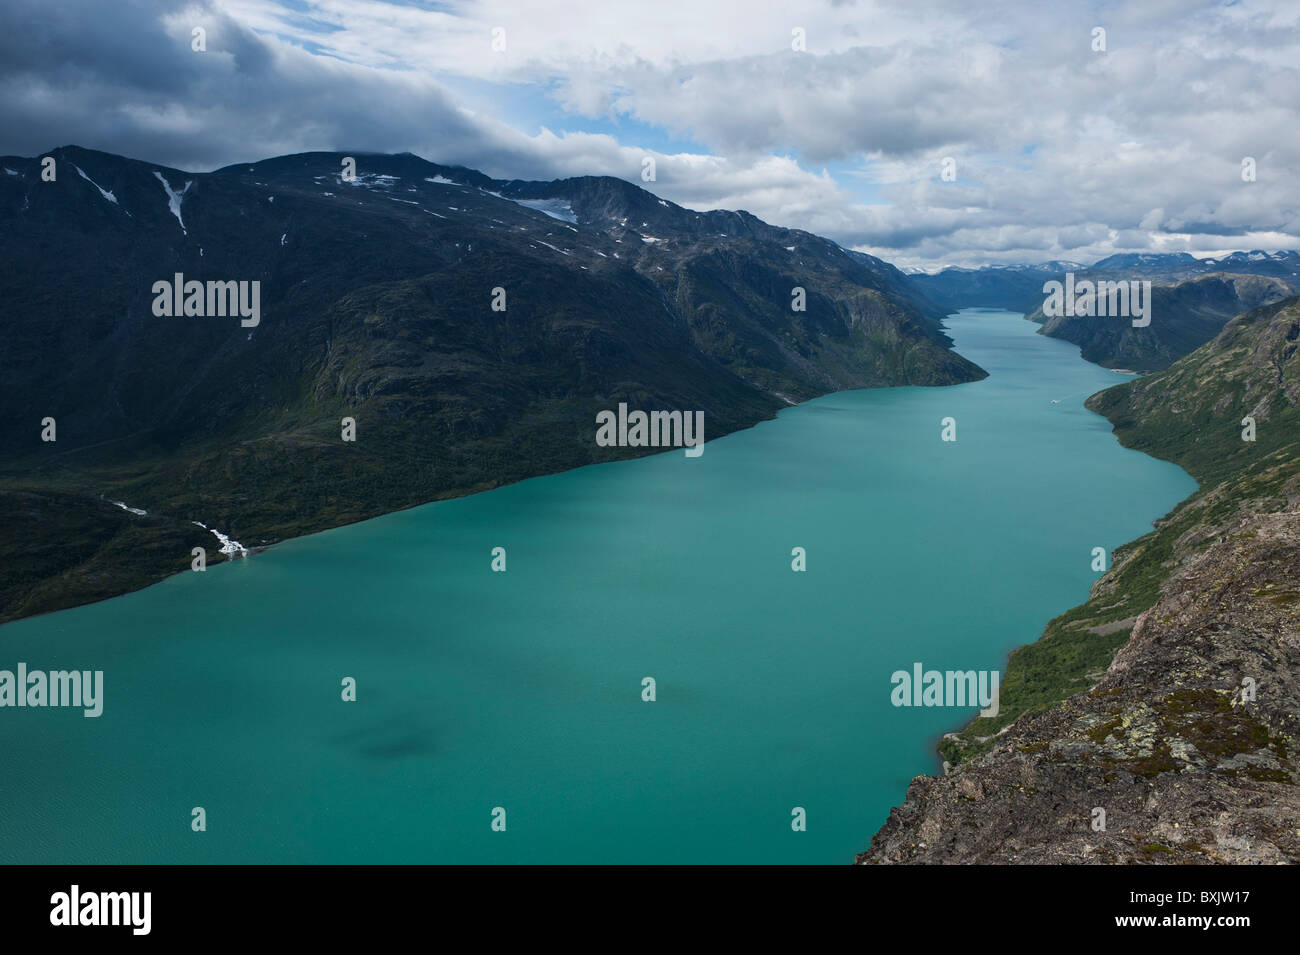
point(522, 689)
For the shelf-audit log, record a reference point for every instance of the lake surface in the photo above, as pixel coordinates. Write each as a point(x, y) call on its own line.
point(522, 689)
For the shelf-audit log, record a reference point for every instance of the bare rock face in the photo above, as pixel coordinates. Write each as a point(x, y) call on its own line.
point(1185, 769)
point(1185, 751)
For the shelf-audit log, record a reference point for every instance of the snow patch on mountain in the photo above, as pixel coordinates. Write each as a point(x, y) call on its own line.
point(549, 246)
point(102, 191)
point(370, 180)
point(555, 208)
point(173, 198)
point(228, 547)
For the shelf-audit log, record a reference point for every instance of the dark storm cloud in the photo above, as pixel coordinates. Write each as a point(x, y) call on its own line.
point(123, 78)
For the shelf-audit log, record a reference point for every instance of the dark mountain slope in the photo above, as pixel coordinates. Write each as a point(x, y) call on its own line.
point(376, 304)
point(1183, 316)
point(1161, 735)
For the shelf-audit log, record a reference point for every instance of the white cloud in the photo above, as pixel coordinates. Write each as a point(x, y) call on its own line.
point(1060, 151)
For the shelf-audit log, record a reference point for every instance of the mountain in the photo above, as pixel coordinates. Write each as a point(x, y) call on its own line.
point(1192, 299)
point(900, 284)
point(376, 299)
point(1016, 288)
point(1187, 736)
point(1183, 316)
point(1019, 288)
point(1148, 264)
point(1171, 266)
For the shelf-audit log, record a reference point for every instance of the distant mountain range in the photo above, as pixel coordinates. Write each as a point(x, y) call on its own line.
point(1192, 299)
point(1180, 264)
point(471, 327)
point(1016, 288)
point(1019, 288)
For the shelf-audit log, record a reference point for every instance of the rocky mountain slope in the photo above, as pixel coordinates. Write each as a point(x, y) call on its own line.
point(471, 327)
point(1183, 316)
point(1187, 736)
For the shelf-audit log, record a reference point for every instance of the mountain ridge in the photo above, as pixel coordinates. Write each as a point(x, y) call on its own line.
point(377, 304)
point(1019, 287)
point(1191, 299)
point(1182, 317)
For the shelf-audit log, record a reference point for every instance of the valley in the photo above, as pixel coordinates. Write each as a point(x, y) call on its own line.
point(499, 643)
point(417, 333)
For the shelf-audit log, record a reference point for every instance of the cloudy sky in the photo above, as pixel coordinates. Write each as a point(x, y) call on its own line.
point(1059, 150)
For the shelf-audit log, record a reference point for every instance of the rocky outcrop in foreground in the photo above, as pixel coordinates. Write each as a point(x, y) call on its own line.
point(1185, 770)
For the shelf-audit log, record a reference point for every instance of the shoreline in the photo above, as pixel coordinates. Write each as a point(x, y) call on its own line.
point(1162, 727)
point(160, 520)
